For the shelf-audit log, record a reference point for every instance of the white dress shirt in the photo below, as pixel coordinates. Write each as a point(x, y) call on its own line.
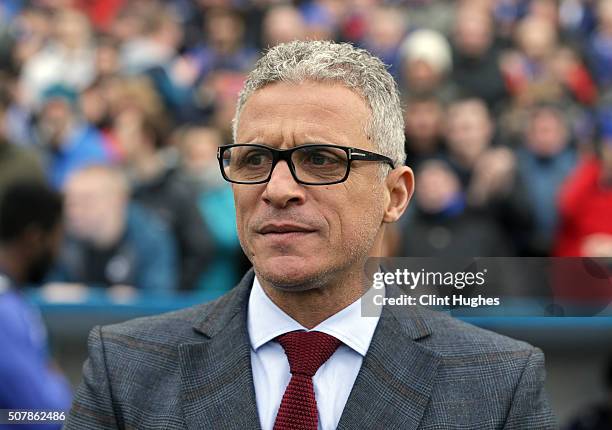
point(334, 379)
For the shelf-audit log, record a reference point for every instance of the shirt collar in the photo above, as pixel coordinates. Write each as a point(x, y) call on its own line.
point(266, 321)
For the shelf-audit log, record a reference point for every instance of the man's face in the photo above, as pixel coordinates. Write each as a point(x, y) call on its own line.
point(199, 150)
point(297, 235)
point(55, 118)
point(94, 206)
point(423, 119)
point(436, 187)
point(547, 134)
point(473, 32)
point(469, 130)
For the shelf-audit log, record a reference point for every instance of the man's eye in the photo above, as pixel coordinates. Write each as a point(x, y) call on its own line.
point(320, 158)
point(253, 159)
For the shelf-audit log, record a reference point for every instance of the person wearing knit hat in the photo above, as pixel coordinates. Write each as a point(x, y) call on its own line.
point(426, 63)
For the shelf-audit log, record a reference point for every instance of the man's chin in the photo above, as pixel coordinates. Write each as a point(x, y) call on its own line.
point(290, 273)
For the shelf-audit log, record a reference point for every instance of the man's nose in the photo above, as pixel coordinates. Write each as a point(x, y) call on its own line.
point(282, 189)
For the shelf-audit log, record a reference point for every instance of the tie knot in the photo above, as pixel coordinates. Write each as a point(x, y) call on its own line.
point(307, 350)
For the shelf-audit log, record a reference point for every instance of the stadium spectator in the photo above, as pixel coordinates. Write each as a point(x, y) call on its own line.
point(215, 201)
point(24, 35)
point(424, 123)
point(323, 18)
point(426, 63)
point(96, 104)
point(433, 14)
point(545, 158)
point(385, 31)
point(188, 84)
point(68, 58)
point(102, 14)
point(152, 40)
point(585, 202)
point(568, 69)
point(112, 243)
point(498, 188)
point(281, 24)
point(476, 57)
point(157, 185)
point(599, 47)
point(224, 47)
point(443, 225)
point(68, 142)
point(528, 68)
point(488, 173)
point(30, 235)
point(108, 62)
point(469, 133)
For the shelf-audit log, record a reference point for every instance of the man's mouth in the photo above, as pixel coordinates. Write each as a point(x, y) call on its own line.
point(285, 229)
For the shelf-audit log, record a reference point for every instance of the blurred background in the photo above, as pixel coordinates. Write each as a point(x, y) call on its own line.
point(119, 105)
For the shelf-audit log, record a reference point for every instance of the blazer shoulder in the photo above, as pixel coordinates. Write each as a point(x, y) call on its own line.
point(484, 379)
point(453, 337)
point(170, 328)
point(167, 331)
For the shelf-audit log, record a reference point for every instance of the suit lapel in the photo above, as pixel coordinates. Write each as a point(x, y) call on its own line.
point(392, 389)
point(395, 381)
point(216, 380)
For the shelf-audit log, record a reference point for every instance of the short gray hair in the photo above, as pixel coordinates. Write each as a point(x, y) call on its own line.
point(326, 61)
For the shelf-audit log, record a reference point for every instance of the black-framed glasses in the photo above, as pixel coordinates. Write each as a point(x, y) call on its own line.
point(312, 164)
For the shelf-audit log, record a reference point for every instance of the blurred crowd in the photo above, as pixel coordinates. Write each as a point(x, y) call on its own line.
point(121, 104)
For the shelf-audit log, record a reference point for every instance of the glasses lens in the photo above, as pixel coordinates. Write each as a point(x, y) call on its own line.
point(247, 163)
point(320, 164)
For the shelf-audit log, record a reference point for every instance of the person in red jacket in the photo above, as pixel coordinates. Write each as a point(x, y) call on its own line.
point(585, 205)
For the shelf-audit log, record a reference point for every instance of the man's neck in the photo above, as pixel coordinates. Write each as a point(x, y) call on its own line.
point(313, 306)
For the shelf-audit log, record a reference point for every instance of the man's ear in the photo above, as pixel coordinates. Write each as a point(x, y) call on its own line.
point(400, 186)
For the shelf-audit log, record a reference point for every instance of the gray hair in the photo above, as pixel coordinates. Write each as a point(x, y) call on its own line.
point(326, 61)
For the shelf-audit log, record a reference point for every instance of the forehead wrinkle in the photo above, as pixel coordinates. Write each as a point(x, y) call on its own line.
point(265, 95)
point(263, 105)
point(293, 131)
point(315, 110)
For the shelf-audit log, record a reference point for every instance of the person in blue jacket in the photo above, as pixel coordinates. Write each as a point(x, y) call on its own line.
point(30, 234)
point(112, 242)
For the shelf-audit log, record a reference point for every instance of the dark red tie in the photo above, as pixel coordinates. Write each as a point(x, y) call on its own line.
point(306, 352)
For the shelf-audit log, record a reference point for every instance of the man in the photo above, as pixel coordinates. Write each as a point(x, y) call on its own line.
point(585, 201)
point(288, 348)
point(488, 172)
point(68, 142)
point(30, 234)
point(476, 55)
point(443, 225)
point(158, 187)
point(544, 161)
point(112, 242)
point(198, 154)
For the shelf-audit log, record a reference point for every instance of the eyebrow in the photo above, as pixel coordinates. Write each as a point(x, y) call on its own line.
point(308, 142)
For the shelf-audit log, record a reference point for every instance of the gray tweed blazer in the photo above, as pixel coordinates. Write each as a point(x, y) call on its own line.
point(191, 369)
